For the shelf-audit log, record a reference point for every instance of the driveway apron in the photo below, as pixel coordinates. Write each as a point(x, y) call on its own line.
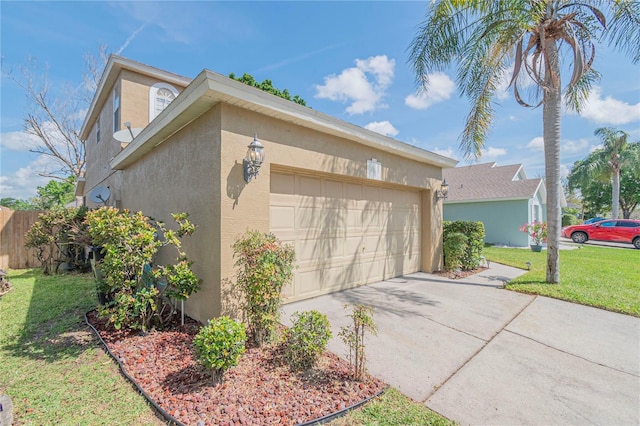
point(479, 354)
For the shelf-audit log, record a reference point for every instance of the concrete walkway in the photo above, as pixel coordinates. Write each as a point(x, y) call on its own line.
point(479, 354)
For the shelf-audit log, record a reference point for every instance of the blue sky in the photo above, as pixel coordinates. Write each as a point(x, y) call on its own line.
point(346, 59)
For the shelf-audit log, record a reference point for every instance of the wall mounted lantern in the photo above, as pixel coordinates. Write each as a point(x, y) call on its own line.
point(253, 160)
point(443, 192)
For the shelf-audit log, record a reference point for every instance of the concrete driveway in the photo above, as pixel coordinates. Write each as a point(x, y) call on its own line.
point(479, 354)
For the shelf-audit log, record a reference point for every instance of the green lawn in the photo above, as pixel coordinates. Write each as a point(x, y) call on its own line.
point(603, 277)
point(56, 372)
point(52, 367)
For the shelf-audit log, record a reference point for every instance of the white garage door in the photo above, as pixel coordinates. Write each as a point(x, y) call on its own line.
point(345, 234)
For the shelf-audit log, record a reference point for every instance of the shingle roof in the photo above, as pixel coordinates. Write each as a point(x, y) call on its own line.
point(487, 181)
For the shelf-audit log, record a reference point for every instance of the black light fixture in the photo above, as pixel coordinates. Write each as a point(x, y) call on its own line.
point(253, 160)
point(443, 192)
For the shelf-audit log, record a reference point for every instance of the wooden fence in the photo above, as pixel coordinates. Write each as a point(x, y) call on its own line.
point(13, 227)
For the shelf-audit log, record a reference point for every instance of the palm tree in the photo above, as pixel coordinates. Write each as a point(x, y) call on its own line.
point(528, 40)
point(609, 160)
point(604, 165)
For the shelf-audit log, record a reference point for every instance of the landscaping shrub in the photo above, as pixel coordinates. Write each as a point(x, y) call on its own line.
point(455, 244)
point(353, 337)
point(265, 265)
point(139, 295)
point(59, 237)
point(306, 340)
point(569, 219)
point(474, 231)
point(219, 345)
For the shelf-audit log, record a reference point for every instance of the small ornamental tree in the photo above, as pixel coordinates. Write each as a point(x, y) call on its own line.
point(264, 264)
point(140, 295)
point(353, 337)
point(219, 344)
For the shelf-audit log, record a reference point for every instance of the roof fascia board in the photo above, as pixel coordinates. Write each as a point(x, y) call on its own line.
point(486, 200)
point(114, 66)
point(209, 88)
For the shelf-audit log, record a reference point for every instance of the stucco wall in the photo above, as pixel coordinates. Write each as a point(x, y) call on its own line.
point(246, 206)
point(180, 175)
point(501, 219)
point(199, 170)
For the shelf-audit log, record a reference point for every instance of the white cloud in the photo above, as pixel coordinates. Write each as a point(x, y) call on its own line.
point(441, 87)
point(446, 152)
point(536, 144)
point(130, 39)
point(580, 146)
point(23, 183)
point(567, 146)
point(364, 85)
point(564, 171)
point(18, 141)
point(382, 127)
point(609, 110)
point(492, 153)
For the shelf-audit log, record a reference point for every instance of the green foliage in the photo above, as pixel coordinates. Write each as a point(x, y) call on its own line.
point(56, 193)
point(569, 218)
point(129, 244)
point(52, 367)
point(59, 237)
point(219, 345)
point(474, 231)
point(265, 265)
point(591, 178)
point(306, 340)
point(455, 244)
point(353, 337)
point(268, 87)
point(16, 204)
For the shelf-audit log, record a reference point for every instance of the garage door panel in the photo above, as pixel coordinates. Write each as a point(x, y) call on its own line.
point(346, 234)
point(282, 217)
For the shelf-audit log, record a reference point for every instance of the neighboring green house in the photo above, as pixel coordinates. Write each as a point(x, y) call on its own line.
point(502, 197)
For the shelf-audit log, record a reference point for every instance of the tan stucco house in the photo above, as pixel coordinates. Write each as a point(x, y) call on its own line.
point(358, 206)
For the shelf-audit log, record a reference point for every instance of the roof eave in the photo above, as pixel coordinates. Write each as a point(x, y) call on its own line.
point(115, 64)
point(210, 88)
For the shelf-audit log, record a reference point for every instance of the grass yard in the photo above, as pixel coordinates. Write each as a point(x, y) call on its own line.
point(603, 277)
point(56, 372)
point(53, 368)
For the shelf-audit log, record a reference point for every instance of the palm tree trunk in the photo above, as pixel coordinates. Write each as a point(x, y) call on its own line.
point(551, 114)
point(615, 194)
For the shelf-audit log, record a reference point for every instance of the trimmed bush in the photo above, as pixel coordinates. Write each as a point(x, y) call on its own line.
point(219, 345)
point(306, 340)
point(265, 265)
point(474, 231)
point(455, 244)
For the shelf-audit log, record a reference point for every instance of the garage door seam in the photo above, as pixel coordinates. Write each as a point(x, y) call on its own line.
point(486, 342)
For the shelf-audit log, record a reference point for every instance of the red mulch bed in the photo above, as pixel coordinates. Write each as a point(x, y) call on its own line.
point(460, 274)
point(260, 390)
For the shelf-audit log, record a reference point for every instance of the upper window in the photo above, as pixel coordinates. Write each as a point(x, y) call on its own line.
point(116, 109)
point(160, 96)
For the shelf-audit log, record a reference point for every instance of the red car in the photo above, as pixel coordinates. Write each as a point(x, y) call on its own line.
point(616, 230)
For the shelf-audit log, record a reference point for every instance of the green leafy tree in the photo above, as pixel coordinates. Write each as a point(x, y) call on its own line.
point(267, 86)
point(545, 41)
point(606, 164)
point(593, 191)
point(16, 204)
point(56, 193)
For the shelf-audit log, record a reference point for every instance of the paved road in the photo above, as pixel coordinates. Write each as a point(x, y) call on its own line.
point(479, 354)
point(599, 243)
